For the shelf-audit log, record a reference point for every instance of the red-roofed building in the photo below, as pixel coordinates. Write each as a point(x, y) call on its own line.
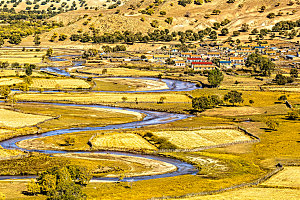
point(201, 66)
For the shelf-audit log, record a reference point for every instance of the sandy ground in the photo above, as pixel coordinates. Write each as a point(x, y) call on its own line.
point(139, 116)
point(153, 167)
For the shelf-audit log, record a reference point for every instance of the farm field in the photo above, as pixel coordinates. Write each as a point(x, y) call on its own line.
point(10, 81)
point(17, 55)
point(288, 178)
point(121, 72)
point(105, 97)
point(129, 84)
point(201, 138)
point(253, 193)
point(120, 140)
point(59, 84)
point(20, 72)
point(14, 119)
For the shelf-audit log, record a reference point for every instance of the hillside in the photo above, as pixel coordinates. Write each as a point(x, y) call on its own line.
point(128, 16)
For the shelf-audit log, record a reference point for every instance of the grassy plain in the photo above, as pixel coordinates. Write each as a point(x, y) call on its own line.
point(129, 84)
point(17, 55)
point(200, 138)
point(10, 81)
point(59, 84)
point(122, 72)
point(120, 140)
point(13, 119)
point(85, 98)
point(289, 177)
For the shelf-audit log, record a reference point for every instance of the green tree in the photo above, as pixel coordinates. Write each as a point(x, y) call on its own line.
point(28, 70)
point(272, 124)
point(234, 97)
point(33, 188)
point(37, 39)
point(215, 77)
point(49, 52)
point(260, 64)
point(224, 31)
point(202, 103)
point(294, 73)
point(280, 79)
point(5, 91)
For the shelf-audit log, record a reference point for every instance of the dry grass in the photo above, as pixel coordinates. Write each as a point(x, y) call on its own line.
point(137, 84)
point(233, 111)
point(122, 72)
point(289, 177)
point(14, 119)
point(253, 193)
point(121, 140)
point(11, 72)
point(59, 83)
point(104, 97)
point(198, 138)
point(4, 153)
point(9, 81)
point(17, 55)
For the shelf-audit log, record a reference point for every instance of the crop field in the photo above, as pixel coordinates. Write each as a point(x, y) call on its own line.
point(121, 140)
point(289, 177)
point(14, 119)
point(17, 55)
point(13, 73)
point(10, 81)
point(60, 84)
point(253, 193)
point(105, 97)
point(122, 72)
point(200, 138)
point(132, 84)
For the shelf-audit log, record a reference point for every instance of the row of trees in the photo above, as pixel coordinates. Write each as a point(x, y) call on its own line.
point(208, 102)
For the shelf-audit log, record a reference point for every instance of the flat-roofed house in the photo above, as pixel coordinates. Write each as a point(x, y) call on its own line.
point(190, 60)
point(160, 57)
point(201, 66)
point(186, 54)
point(237, 60)
point(225, 64)
point(213, 54)
point(270, 52)
point(179, 63)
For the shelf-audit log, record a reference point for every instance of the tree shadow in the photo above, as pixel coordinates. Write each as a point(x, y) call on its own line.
point(267, 129)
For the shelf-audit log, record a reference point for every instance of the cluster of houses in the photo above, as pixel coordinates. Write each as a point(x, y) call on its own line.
point(227, 58)
point(221, 56)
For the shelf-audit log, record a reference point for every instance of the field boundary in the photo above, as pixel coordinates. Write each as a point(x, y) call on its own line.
point(242, 185)
point(255, 140)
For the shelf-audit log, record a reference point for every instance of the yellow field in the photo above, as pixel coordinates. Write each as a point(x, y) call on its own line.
point(137, 84)
point(253, 194)
point(14, 119)
point(199, 138)
point(104, 97)
point(121, 140)
point(59, 83)
point(289, 177)
point(10, 81)
point(10, 72)
point(13, 55)
point(4, 153)
point(122, 72)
